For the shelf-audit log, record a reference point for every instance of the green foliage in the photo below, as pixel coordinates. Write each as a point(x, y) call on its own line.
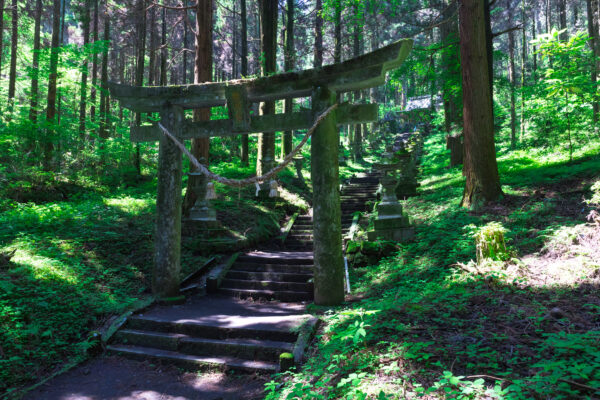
point(489, 242)
point(424, 328)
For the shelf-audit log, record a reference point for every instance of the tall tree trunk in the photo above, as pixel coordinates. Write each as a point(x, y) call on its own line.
point(244, 71)
point(163, 49)
point(337, 20)
point(534, 52)
point(152, 53)
point(95, 61)
point(523, 62)
point(104, 104)
point(33, 111)
point(318, 50)
point(562, 18)
point(184, 69)
point(593, 33)
point(85, 20)
point(289, 66)
point(139, 70)
point(13, 52)
point(449, 35)
point(268, 41)
point(357, 139)
point(203, 65)
point(52, 77)
point(548, 17)
point(1, 33)
point(511, 78)
point(480, 166)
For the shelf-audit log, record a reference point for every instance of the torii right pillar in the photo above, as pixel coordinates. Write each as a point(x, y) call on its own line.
point(327, 225)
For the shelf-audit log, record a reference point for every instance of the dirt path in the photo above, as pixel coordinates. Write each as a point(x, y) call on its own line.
point(113, 378)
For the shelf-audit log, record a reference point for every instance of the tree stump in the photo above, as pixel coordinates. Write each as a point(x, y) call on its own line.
point(454, 143)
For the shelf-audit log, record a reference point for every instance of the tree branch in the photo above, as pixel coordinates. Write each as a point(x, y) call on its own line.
point(514, 28)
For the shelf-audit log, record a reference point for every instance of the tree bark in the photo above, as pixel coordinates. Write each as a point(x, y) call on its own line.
point(152, 53)
point(139, 70)
point(562, 18)
point(511, 78)
point(244, 71)
point(52, 78)
point(318, 50)
point(337, 53)
point(104, 103)
point(1, 33)
point(268, 40)
point(33, 111)
point(449, 34)
point(163, 49)
point(480, 166)
point(523, 61)
point(203, 64)
point(85, 20)
point(593, 33)
point(95, 38)
point(357, 138)
point(13, 51)
point(289, 66)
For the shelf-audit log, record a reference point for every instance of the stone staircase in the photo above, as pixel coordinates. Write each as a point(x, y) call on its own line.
point(276, 275)
point(354, 196)
point(240, 327)
point(216, 332)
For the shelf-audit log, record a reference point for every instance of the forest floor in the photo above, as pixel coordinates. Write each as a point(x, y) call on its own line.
point(427, 321)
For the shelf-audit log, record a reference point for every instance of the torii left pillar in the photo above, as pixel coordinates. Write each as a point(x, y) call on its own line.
point(167, 256)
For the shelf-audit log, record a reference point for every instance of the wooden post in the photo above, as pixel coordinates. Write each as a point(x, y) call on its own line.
point(165, 279)
point(327, 229)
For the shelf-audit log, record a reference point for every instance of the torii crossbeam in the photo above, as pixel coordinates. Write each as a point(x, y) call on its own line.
point(322, 84)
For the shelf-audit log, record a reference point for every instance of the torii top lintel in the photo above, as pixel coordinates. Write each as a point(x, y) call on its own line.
point(362, 72)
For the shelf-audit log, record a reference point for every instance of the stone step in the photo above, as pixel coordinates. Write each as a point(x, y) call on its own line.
point(299, 242)
point(247, 349)
point(194, 362)
point(293, 231)
point(244, 327)
point(278, 268)
point(229, 283)
point(282, 257)
point(270, 276)
point(288, 296)
point(297, 235)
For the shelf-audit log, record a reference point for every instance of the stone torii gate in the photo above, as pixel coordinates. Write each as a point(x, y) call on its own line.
point(322, 84)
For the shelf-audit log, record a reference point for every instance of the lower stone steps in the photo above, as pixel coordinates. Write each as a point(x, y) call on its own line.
point(194, 362)
point(249, 349)
point(217, 332)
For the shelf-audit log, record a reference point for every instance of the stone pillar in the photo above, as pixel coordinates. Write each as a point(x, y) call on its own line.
point(165, 279)
point(327, 229)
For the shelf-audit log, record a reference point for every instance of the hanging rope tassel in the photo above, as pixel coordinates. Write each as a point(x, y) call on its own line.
point(257, 188)
point(273, 192)
point(211, 194)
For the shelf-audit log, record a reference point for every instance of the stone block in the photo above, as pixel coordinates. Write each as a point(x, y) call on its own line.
point(389, 209)
point(392, 223)
point(398, 235)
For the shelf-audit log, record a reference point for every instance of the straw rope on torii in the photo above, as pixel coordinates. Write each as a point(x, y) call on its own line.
point(255, 179)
